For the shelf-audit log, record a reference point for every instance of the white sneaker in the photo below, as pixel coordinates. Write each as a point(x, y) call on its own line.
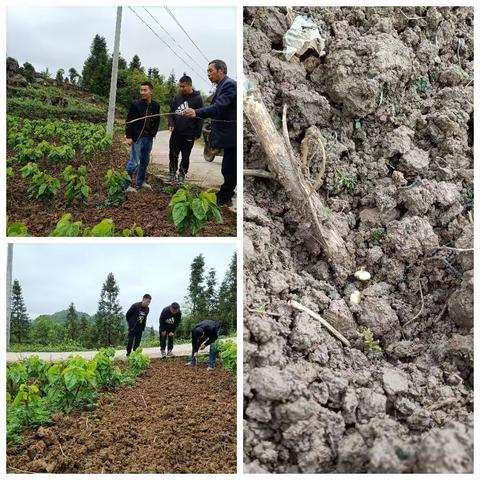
point(146, 185)
point(131, 190)
point(209, 369)
point(164, 355)
point(170, 354)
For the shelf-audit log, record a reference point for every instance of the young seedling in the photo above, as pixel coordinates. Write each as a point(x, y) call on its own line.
point(377, 235)
point(345, 181)
point(369, 343)
point(422, 85)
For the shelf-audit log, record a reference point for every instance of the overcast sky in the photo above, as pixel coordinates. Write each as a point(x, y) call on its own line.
point(60, 37)
point(53, 275)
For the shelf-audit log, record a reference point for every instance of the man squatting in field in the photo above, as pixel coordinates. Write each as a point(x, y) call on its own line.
point(223, 112)
point(140, 134)
point(204, 334)
point(183, 130)
point(169, 321)
point(137, 320)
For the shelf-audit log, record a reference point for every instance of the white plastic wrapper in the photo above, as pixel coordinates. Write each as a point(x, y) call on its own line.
point(302, 35)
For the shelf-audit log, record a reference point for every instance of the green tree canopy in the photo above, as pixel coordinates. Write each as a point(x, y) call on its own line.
point(19, 319)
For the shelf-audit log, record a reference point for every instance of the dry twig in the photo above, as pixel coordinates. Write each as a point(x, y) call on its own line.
point(252, 172)
point(143, 398)
point(422, 306)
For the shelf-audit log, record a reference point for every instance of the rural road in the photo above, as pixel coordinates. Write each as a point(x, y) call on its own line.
point(207, 174)
point(181, 350)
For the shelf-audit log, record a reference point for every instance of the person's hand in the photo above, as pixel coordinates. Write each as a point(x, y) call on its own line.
point(202, 346)
point(129, 141)
point(170, 129)
point(189, 112)
point(171, 334)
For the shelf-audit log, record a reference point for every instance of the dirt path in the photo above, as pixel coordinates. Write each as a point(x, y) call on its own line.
point(180, 350)
point(206, 174)
point(176, 419)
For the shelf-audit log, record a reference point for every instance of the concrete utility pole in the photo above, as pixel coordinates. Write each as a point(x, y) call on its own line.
point(113, 80)
point(9, 289)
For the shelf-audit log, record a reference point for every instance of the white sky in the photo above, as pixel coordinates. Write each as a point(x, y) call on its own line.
point(53, 275)
point(60, 37)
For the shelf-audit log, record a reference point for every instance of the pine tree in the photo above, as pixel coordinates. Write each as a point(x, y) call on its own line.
point(60, 74)
point(227, 299)
point(73, 75)
point(196, 293)
point(29, 71)
point(19, 320)
point(72, 324)
point(211, 298)
point(171, 86)
point(135, 64)
point(109, 319)
point(84, 332)
point(96, 73)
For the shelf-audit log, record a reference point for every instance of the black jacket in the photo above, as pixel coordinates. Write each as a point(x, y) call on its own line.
point(137, 315)
point(168, 320)
point(223, 107)
point(138, 109)
point(188, 127)
point(210, 330)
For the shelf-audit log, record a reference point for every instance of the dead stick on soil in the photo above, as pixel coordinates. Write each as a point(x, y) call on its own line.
point(144, 401)
point(453, 249)
point(316, 316)
point(20, 470)
point(251, 172)
point(287, 171)
point(61, 449)
point(421, 308)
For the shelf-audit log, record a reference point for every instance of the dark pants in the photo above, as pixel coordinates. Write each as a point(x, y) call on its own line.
point(180, 144)
point(164, 331)
point(229, 172)
point(134, 338)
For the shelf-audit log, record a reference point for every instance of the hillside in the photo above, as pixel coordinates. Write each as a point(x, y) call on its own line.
point(61, 316)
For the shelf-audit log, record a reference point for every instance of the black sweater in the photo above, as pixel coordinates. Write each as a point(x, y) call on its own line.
point(210, 334)
point(169, 320)
point(137, 315)
point(146, 127)
point(187, 127)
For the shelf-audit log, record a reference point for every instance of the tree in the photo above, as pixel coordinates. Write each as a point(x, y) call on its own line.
point(20, 322)
point(43, 330)
point(72, 324)
point(95, 73)
point(195, 288)
point(12, 66)
point(171, 86)
point(46, 74)
point(151, 334)
point(29, 71)
point(135, 64)
point(109, 319)
point(60, 75)
point(211, 298)
point(227, 299)
point(85, 332)
point(73, 75)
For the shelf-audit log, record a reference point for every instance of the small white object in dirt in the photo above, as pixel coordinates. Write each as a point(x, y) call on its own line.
point(302, 36)
point(355, 297)
point(362, 275)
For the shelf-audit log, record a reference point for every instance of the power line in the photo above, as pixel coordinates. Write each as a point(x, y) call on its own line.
point(174, 41)
point(167, 45)
point(186, 33)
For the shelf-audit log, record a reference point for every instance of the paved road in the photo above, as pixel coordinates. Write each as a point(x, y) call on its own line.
point(182, 350)
point(207, 174)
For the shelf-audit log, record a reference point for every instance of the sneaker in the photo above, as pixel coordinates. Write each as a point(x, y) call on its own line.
point(169, 354)
point(131, 190)
point(171, 178)
point(146, 185)
point(209, 369)
point(164, 355)
point(181, 179)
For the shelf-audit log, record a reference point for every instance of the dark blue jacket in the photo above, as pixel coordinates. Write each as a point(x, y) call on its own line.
point(223, 107)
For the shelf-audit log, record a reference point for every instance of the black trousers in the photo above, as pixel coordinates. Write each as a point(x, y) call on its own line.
point(180, 144)
point(134, 338)
point(229, 172)
point(165, 329)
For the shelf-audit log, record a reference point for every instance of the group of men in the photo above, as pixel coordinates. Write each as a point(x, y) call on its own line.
point(204, 334)
point(185, 122)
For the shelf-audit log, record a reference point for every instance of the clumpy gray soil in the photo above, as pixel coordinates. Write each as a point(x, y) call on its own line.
point(393, 99)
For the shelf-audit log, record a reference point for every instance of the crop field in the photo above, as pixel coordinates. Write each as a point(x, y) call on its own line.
point(358, 252)
point(65, 178)
point(94, 416)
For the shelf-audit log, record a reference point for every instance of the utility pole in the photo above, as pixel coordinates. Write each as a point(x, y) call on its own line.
point(9, 289)
point(113, 79)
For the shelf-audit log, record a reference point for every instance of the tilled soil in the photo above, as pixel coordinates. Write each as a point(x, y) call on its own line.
point(393, 100)
point(148, 209)
point(188, 425)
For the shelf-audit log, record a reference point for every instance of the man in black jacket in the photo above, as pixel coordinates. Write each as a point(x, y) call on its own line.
point(169, 320)
point(137, 320)
point(183, 130)
point(140, 132)
point(204, 334)
point(223, 112)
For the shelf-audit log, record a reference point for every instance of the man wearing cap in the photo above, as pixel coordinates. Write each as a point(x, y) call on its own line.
point(169, 320)
point(204, 334)
point(137, 320)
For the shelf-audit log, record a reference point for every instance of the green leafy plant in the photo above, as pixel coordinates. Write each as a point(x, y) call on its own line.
point(114, 182)
point(138, 363)
point(422, 84)
point(228, 354)
point(17, 229)
point(377, 235)
point(10, 173)
point(190, 211)
point(66, 227)
point(133, 231)
point(43, 186)
point(105, 228)
point(64, 153)
point(346, 181)
point(76, 187)
point(29, 170)
point(370, 344)
point(108, 374)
